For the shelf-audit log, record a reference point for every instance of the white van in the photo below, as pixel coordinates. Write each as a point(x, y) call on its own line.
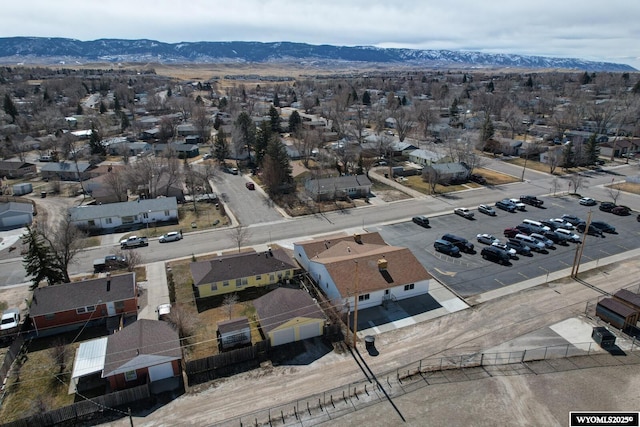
point(536, 224)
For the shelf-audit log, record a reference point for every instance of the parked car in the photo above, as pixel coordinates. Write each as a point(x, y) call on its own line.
point(571, 236)
point(512, 252)
point(572, 219)
point(487, 210)
point(533, 244)
point(593, 231)
point(519, 205)
point(462, 243)
point(9, 323)
point(172, 236)
point(511, 232)
point(506, 205)
point(493, 253)
point(207, 156)
point(537, 226)
point(474, 177)
point(250, 185)
point(525, 229)
point(547, 242)
point(109, 262)
point(487, 239)
point(548, 223)
point(422, 220)
point(621, 210)
point(519, 247)
point(562, 223)
point(605, 227)
point(531, 200)
point(463, 212)
point(606, 206)
point(446, 247)
point(164, 310)
point(556, 238)
point(587, 201)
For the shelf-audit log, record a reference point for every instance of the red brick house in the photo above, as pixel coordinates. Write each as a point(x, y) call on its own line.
point(59, 308)
point(146, 351)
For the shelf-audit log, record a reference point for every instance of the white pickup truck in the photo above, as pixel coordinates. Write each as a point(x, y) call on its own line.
point(134, 242)
point(9, 323)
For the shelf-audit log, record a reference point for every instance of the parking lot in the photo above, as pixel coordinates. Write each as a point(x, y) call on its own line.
point(470, 274)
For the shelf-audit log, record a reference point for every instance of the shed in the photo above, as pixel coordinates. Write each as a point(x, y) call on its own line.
point(233, 333)
point(616, 313)
point(22, 188)
point(629, 298)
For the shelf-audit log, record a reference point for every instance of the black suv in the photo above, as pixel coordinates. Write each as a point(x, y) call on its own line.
point(463, 244)
point(605, 227)
point(421, 220)
point(606, 206)
point(495, 254)
point(531, 200)
point(519, 247)
point(594, 231)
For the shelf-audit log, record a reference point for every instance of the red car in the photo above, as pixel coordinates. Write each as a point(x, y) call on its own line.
point(511, 232)
point(250, 185)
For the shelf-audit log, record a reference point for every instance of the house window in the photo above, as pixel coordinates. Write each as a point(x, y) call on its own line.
point(272, 277)
point(145, 215)
point(225, 283)
point(363, 297)
point(214, 287)
point(258, 277)
point(238, 283)
point(167, 213)
point(128, 220)
point(87, 309)
point(287, 273)
point(91, 223)
point(244, 281)
point(130, 376)
point(108, 221)
point(119, 305)
point(409, 287)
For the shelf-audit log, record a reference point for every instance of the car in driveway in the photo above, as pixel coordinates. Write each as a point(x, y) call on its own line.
point(587, 201)
point(572, 219)
point(172, 236)
point(571, 236)
point(463, 244)
point(621, 210)
point(487, 210)
point(421, 220)
point(604, 226)
point(512, 252)
point(592, 230)
point(519, 247)
point(463, 212)
point(495, 254)
point(487, 239)
point(506, 205)
point(519, 205)
point(446, 247)
point(606, 206)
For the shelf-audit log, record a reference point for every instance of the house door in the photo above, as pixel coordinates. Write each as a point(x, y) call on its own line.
point(111, 309)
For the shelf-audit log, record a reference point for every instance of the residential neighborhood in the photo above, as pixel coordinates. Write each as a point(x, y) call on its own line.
point(290, 208)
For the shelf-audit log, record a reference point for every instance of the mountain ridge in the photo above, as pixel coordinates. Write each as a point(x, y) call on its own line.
point(27, 49)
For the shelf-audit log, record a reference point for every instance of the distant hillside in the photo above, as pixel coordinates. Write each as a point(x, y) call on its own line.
point(54, 50)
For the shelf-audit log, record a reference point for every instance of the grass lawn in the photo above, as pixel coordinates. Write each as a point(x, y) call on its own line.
point(495, 177)
point(627, 187)
point(415, 182)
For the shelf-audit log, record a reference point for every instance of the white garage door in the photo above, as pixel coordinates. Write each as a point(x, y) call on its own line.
point(309, 331)
point(160, 372)
point(283, 336)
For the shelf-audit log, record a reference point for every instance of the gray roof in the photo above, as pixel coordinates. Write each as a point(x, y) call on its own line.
point(85, 213)
point(69, 296)
point(427, 154)
point(339, 182)
point(235, 266)
point(142, 344)
point(450, 167)
point(233, 325)
point(283, 304)
point(16, 207)
point(66, 167)
point(11, 165)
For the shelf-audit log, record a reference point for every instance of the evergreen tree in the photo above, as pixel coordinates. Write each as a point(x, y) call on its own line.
point(220, 147)
point(124, 121)
point(276, 100)
point(116, 103)
point(276, 170)
point(586, 79)
point(95, 142)
point(354, 95)
point(217, 122)
point(199, 100)
point(295, 122)
point(490, 87)
point(366, 98)
point(103, 108)
point(263, 137)
point(275, 119)
point(593, 151)
point(464, 78)
point(636, 88)
point(529, 83)
point(247, 129)
point(224, 103)
point(10, 108)
point(40, 261)
point(404, 100)
point(79, 110)
point(169, 93)
point(454, 111)
point(568, 157)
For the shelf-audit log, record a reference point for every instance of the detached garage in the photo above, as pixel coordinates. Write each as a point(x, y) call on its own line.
point(288, 315)
point(15, 215)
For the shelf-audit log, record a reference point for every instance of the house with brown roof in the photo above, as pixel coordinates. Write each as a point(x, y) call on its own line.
point(146, 351)
point(288, 315)
point(60, 308)
point(363, 265)
point(236, 272)
point(16, 169)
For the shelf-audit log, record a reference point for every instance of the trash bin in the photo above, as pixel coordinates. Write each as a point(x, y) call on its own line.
point(369, 342)
point(43, 194)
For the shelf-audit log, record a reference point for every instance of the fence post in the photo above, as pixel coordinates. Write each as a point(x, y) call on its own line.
point(566, 352)
point(482, 359)
point(524, 353)
point(545, 353)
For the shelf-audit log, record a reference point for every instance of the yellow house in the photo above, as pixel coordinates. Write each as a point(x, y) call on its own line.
point(233, 273)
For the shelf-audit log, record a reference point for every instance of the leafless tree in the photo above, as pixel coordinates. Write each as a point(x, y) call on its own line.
point(358, 123)
point(432, 177)
point(59, 354)
point(577, 181)
point(614, 192)
point(240, 235)
point(228, 304)
point(554, 159)
point(403, 117)
point(116, 182)
point(132, 257)
point(202, 122)
point(183, 321)
point(427, 117)
point(304, 142)
point(67, 241)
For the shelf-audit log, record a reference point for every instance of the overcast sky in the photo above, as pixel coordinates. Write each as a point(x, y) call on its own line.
point(589, 29)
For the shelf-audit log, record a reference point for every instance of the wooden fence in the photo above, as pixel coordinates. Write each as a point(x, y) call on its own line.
point(227, 363)
point(84, 409)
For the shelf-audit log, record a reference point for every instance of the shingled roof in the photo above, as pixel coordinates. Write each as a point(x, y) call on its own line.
point(69, 296)
point(315, 247)
point(283, 304)
point(229, 267)
point(142, 344)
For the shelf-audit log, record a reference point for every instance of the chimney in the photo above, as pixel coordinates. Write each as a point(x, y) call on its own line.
point(382, 264)
point(108, 284)
point(357, 238)
point(348, 249)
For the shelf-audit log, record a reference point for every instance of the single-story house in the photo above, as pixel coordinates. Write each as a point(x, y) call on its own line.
point(146, 351)
point(180, 150)
point(15, 215)
point(125, 214)
point(66, 171)
point(185, 129)
point(232, 273)
point(289, 315)
point(68, 306)
point(619, 147)
point(339, 187)
point(449, 172)
point(403, 148)
point(375, 272)
point(233, 333)
point(425, 157)
point(130, 148)
point(16, 169)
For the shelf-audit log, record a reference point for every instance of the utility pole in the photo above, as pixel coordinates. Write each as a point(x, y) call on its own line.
point(580, 248)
